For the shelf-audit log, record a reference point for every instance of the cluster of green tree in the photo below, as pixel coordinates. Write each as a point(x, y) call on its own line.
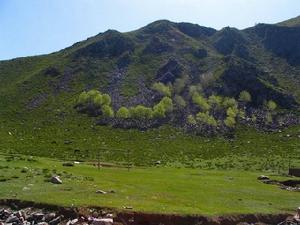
point(214, 110)
point(159, 110)
point(218, 110)
point(96, 100)
point(209, 111)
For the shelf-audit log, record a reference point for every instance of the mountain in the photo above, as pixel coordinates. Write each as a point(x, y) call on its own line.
point(294, 22)
point(264, 60)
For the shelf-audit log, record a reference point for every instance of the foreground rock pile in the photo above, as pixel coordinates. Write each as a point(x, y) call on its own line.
point(30, 216)
point(15, 214)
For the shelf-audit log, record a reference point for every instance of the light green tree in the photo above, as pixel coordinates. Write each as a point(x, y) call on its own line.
point(271, 105)
point(107, 111)
point(159, 111)
point(215, 102)
point(97, 100)
point(232, 112)
point(191, 120)
point(245, 97)
point(229, 102)
point(162, 89)
point(106, 99)
point(83, 98)
point(141, 112)
point(123, 113)
point(201, 102)
point(230, 121)
point(205, 118)
point(163, 107)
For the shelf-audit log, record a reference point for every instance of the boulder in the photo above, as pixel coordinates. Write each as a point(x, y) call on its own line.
point(101, 192)
point(49, 217)
point(263, 177)
point(103, 221)
point(13, 219)
point(38, 216)
point(4, 214)
point(56, 180)
point(68, 164)
point(55, 221)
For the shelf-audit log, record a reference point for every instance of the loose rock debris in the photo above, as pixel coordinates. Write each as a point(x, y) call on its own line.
point(16, 212)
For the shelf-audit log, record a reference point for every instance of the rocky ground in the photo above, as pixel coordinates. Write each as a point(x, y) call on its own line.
point(15, 212)
point(30, 216)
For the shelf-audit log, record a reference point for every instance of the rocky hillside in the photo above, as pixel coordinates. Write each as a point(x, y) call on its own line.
point(183, 62)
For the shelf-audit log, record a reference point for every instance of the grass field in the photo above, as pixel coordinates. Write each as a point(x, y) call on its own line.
point(61, 137)
point(167, 190)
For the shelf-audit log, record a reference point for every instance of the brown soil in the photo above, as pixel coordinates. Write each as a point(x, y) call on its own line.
point(139, 218)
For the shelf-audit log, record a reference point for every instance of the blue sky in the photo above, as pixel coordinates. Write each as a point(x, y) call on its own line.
point(31, 27)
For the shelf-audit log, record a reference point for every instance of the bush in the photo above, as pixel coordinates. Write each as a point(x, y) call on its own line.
point(123, 113)
point(98, 100)
point(229, 102)
point(206, 119)
point(163, 107)
point(106, 100)
point(159, 111)
point(162, 89)
point(230, 121)
point(107, 111)
point(191, 120)
point(83, 98)
point(200, 101)
point(92, 93)
point(215, 101)
point(193, 89)
point(179, 101)
point(271, 105)
point(141, 112)
point(167, 103)
point(245, 96)
point(93, 97)
point(232, 112)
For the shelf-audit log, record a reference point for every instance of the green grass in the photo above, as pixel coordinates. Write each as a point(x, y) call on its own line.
point(48, 134)
point(166, 190)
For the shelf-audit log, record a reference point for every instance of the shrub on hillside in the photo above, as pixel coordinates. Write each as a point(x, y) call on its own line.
point(162, 89)
point(200, 101)
point(123, 113)
point(206, 119)
point(245, 97)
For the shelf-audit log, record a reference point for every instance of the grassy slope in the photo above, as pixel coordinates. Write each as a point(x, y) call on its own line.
point(166, 190)
point(41, 132)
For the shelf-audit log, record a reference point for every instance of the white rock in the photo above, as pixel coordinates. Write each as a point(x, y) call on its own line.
point(103, 221)
point(263, 177)
point(101, 192)
point(56, 180)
